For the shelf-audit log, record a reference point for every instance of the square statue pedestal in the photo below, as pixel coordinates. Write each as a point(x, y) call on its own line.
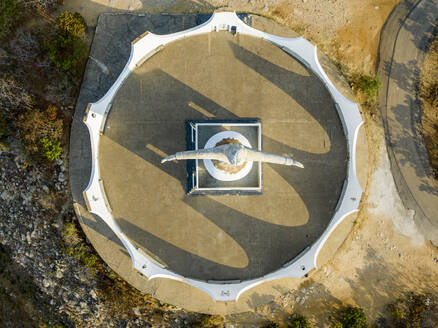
point(205, 177)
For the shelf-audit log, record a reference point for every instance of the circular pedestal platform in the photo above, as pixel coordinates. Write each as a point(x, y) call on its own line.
point(218, 76)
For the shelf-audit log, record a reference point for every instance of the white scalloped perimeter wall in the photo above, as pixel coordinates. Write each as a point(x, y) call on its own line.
point(143, 48)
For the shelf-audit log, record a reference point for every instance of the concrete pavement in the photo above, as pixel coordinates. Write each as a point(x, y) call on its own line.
point(229, 77)
point(404, 41)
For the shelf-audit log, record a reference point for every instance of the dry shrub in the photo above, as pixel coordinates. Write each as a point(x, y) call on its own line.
point(414, 311)
point(368, 86)
point(299, 321)
point(120, 298)
point(9, 14)
point(12, 95)
point(27, 70)
point(428, 89)
point(37, 125)
point(43, 6)
point(26, 49)
point(429, 76)
point(208, 321)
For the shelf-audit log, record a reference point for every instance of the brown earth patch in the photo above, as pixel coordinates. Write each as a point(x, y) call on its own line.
point(358, 41)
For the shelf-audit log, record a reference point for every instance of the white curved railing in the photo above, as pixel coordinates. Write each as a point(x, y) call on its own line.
point(143, 48)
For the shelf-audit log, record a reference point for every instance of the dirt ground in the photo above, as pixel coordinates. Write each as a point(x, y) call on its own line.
point(346, 30)
point(385, 256)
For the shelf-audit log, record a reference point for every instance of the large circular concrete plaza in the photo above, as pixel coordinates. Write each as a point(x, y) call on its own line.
point(222, 76)
point(214, 76)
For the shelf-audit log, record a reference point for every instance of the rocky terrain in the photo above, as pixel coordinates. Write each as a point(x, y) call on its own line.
point(48, 278)
point(30, 229)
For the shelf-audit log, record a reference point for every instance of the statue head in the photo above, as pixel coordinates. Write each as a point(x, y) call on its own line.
point(236, 153)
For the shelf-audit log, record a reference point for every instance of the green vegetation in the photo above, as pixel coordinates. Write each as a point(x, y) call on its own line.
point(71, 24)
point(368, 86)
point(299, 321)
point(112, 275)
point(351, 317)
point(70, 233)
point(73, 246)
point(82, 253)
point(67, 51)
point(9, 15)
point(51, 149)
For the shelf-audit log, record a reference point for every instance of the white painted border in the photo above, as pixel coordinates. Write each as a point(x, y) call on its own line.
point(142, 49)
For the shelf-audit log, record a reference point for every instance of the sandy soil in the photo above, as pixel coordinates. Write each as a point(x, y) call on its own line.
point(385, 256)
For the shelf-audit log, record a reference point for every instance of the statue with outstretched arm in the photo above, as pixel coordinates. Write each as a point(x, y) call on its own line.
point(234, 154)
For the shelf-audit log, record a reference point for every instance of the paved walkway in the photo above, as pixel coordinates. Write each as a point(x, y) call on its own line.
point(404, 42)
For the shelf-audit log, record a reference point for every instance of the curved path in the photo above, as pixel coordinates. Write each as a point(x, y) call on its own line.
point(404, 42)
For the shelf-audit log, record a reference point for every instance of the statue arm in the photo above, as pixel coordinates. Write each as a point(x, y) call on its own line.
point(259, 156)
point(209, 153)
